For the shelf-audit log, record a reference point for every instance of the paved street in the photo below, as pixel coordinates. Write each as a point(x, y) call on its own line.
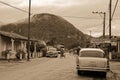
point(115, 67)
point(47, 69)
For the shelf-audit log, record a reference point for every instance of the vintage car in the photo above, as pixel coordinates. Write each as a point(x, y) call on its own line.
point(92, 59)
point(52, 52)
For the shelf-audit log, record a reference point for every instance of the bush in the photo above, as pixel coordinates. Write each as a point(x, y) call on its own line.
point(20, 52)
point(4, 53)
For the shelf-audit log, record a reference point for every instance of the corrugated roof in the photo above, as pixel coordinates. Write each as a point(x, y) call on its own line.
point(12, 35)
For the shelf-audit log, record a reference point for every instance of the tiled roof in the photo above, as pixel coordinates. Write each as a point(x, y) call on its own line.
point(12, 35)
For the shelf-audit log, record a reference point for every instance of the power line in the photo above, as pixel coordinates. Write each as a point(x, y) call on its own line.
point(101, 16)
point(13, 7)
point(63, 16)
point(95, 25)
point(81, 17)
point(113, 13)
point(107, 26)
point(78, 17)
point(114, 9)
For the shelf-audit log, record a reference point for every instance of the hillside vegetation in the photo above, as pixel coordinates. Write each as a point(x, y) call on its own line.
point(49, 27)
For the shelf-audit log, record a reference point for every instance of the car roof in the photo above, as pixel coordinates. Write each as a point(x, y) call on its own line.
point(91, 49)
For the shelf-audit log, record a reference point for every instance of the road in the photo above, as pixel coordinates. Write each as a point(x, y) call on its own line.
point(47, 69)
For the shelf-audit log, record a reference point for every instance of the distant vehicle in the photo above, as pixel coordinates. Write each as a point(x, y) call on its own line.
point(52, 52)
point(60, 46)
point(92, 59)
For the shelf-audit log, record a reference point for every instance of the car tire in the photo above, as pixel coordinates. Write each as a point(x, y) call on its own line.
point(78, 72)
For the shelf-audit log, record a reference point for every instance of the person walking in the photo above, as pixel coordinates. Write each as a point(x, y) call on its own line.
point(78, 50)
point(62, 53)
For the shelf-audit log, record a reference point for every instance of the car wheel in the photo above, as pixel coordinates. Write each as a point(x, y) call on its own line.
point(78, 72)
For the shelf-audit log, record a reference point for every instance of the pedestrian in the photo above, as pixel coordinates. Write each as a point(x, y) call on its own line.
point(78, 50)
point(62, 53)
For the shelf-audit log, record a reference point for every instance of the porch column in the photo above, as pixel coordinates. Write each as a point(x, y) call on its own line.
point(12, 44)
point(25, 49)
point(35, 52)
point(22, 45)
point(118, 46)
point(21, 48)
point(30, 56)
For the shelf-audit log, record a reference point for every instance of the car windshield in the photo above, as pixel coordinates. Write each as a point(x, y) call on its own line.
point(92, 54)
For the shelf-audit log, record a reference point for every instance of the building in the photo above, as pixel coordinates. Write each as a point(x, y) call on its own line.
point(12, 42)
point(105, 45)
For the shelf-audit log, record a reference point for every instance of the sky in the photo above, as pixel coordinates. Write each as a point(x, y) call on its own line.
point(77, 12)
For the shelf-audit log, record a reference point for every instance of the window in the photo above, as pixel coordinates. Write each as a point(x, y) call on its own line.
point(92, 54)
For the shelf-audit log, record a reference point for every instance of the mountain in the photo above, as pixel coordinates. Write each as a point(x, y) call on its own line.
point(48, 27)
point(1, 23)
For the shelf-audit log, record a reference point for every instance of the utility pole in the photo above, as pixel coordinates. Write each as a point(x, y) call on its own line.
point(28, 57)
point(104, 25)
point(110, 18)
point(103, 21)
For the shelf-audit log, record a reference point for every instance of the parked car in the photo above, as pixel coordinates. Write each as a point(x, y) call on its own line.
point(59, 47)
point(52, 52)
point(92, 59)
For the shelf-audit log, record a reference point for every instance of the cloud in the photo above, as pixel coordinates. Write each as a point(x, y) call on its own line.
point(97, 34)
point(59, 3)
point(80, 8)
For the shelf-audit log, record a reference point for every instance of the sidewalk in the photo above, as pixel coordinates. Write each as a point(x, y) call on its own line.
point(115, 69)
point(10, 63)
point(11, 60)
point(18, 61)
